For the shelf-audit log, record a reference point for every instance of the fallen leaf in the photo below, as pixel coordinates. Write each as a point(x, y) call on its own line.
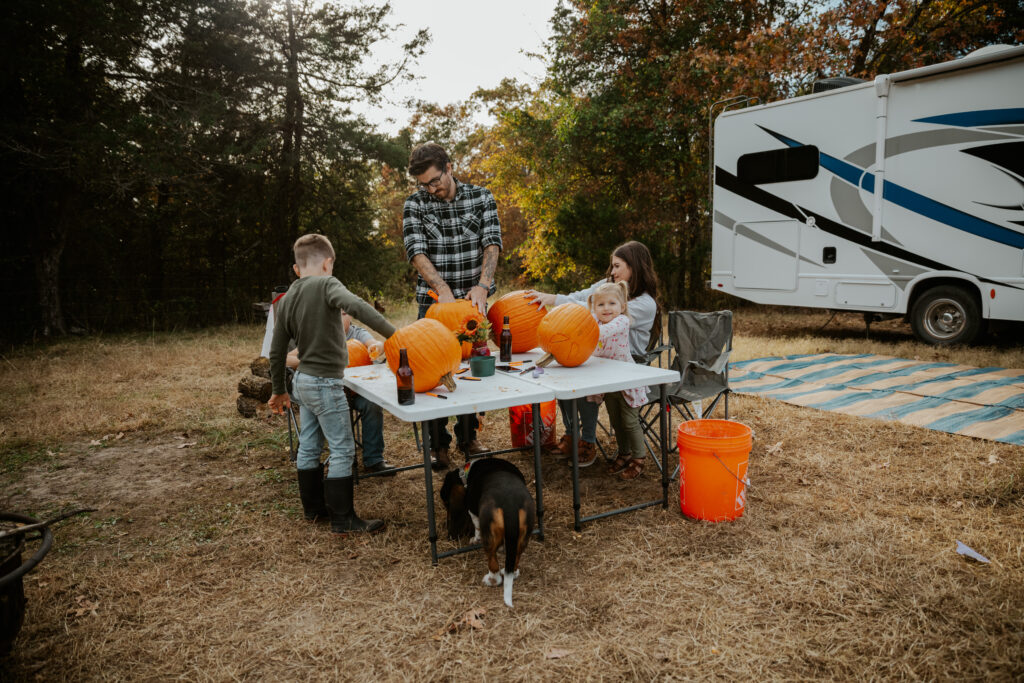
point(94, 442)
point(958, 504)
point(772, 450)
point(993, 459)
point(470, 619)
point(187, 444)
point(715, 651)
point(557, 654)
point(803, 482)
point(880, 466)
point(120, 435)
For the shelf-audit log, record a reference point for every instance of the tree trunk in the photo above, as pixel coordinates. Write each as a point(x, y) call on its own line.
point(47, 267)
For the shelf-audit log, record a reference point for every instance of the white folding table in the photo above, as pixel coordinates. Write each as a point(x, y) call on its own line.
point(600, 376)
point(377, 384)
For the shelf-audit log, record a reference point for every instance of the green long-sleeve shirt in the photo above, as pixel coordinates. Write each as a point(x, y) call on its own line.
point(310, 313)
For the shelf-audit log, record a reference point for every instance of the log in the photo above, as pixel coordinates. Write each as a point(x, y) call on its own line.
point(250, 407)
point(260, 367)
point(255, 387)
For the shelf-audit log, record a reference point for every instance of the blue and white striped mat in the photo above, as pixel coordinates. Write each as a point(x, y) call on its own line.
point(983, 402)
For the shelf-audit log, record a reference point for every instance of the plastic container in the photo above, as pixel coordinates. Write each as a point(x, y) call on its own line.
point(713, 456)
point(481, 366)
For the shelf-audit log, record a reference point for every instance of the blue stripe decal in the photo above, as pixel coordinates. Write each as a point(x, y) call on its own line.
point(955, 218)
point(916, 202)
point(982, 117)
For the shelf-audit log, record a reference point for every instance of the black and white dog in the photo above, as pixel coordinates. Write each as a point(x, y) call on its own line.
point(490, 497)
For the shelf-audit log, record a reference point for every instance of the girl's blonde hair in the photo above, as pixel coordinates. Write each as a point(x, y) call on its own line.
point(619, 290)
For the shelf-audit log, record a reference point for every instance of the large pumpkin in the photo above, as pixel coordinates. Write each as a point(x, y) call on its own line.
point(433, 353)
point(568, 334)
point(523, 319)
point(452, 315)
point(357, 353)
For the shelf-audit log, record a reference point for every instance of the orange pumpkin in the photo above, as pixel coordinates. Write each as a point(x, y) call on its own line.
point(434, 353)
point(523, 319)
point(568, 334)
point(357, 353)
point(452, 315)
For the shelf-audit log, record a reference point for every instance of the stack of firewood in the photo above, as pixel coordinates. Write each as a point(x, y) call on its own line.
point(255, 389)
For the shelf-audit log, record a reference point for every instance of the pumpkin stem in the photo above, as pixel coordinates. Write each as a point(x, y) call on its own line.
point(544, 360)
point(433, 295)
point(448, 381)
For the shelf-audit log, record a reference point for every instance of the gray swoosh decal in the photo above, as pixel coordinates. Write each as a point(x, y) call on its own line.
point(901, 144)
point(886, 264)
point(774, 246)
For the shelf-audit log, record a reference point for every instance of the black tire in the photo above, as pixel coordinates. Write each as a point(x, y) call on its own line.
point(946, 315)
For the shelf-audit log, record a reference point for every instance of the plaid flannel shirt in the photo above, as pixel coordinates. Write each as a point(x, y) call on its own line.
point(452, 235)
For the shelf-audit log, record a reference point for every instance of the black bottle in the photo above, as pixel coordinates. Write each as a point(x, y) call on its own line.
point(406, 386)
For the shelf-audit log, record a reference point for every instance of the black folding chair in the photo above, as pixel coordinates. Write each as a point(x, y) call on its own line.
point(700, 345)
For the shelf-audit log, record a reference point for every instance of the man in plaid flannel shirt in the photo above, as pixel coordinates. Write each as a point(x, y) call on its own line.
point(453, 238)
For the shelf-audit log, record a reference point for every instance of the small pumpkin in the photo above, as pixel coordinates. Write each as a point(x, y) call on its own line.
point(357, 353)
point(523, 319)
point(568, 334)
point(433, 351)
point(453, 315)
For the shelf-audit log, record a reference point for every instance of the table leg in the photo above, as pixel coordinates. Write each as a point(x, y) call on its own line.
point(428, 478)
point(574, 428)
point(662, 405)
point(537, 474)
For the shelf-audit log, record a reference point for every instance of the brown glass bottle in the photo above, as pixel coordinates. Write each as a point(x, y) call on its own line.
point(505, 343)
point(406, 386)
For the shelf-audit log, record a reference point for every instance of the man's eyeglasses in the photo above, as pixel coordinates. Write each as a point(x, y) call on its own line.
point(433, 184)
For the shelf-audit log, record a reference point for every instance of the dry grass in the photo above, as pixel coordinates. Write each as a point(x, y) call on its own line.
point(198, 565)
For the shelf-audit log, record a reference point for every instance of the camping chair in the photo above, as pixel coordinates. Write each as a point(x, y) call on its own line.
point(700, 345)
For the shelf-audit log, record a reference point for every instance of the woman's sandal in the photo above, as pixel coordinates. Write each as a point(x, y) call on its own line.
point(619, 464)
point(633, 470)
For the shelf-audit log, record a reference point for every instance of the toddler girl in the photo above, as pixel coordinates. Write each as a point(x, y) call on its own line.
point(608, 304)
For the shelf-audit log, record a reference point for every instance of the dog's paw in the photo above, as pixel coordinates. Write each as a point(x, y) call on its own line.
point(516, 575)
point(492, 579)
point(476, 538)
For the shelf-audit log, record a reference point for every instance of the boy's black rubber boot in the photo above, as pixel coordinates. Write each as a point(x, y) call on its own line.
point(338, 492)
point(311, 493)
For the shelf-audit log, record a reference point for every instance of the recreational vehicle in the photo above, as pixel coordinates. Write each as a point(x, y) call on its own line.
point(898, 197)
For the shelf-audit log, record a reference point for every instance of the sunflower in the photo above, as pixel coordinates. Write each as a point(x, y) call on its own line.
point(473, 330)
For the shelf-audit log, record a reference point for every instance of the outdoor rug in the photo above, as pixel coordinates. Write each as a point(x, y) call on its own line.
point(983, 402)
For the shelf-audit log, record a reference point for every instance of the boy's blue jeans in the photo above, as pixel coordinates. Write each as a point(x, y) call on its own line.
point(587, 417)
point(323, 413)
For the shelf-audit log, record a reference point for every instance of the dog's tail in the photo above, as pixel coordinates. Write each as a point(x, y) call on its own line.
point(514, 528)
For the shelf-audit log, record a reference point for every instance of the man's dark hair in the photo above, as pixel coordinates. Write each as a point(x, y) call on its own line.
point(425, 156)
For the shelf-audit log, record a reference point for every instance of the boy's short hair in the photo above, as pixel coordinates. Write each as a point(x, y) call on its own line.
point(310, 249)
point(425, 156)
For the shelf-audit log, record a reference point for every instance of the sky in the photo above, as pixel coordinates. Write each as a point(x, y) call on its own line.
point(474, 43)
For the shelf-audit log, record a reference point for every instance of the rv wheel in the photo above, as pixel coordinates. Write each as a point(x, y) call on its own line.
point(946, 315)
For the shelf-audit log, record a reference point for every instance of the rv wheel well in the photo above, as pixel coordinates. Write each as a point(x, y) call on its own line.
point(925, 285)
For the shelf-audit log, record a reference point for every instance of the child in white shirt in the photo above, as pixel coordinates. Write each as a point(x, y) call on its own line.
point(608, 303)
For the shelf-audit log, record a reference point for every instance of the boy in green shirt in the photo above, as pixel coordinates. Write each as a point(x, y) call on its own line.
point(310, 316)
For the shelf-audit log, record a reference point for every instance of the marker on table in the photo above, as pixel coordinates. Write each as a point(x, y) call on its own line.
point(461, 370)
point(471, 379)
point(431, 393)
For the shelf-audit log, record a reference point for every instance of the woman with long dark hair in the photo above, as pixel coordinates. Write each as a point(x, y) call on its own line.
point(631, 263)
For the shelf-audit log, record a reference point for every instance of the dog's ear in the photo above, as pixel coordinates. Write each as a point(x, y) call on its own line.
point(451, 481)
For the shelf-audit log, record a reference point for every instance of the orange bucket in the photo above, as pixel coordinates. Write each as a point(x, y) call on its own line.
point(713, 456)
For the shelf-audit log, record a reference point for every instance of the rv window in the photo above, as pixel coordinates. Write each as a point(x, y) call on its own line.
point(778, 165)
